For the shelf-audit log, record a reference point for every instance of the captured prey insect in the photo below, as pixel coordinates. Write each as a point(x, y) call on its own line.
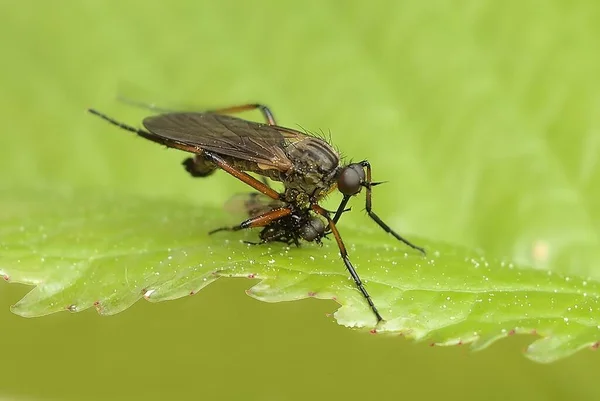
point(289, 229)
point(308, 167)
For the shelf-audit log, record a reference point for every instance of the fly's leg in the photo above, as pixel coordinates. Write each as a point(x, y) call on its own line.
point(368, 206)
point(207, 156)
point(258, 221)
point(266, 112)
point(344, 254)
point(241, 175)
point(148, 135)
point(341, 208)
point(197, 166)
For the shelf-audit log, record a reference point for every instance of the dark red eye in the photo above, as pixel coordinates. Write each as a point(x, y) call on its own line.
point(350, 179)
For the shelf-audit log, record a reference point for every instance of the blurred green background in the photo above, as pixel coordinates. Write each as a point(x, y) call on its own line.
point(483, 117)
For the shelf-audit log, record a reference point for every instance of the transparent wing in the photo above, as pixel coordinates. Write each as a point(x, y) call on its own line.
point(251, 204)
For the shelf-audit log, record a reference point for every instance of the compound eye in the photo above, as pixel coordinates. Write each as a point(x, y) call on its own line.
point(313, 229)
point(350, 179)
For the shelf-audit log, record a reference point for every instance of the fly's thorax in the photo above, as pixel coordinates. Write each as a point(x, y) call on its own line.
point(296, 196)
point(302, 187)
point(314, 166)
point(312, 154)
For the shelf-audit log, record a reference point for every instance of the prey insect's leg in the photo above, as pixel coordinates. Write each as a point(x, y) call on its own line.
point(281, 237)
point(241, 175)
point(258, 221)
point(318, 209)
point(368, 206)
point(199, 166)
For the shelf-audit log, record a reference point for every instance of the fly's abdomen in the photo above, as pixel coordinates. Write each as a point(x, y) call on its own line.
point(252, 167)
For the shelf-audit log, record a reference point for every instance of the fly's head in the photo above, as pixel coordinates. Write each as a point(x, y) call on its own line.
point(351, 179)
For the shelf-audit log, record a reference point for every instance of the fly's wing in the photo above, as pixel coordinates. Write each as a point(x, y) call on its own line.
point(224, 135)
point(251, 204)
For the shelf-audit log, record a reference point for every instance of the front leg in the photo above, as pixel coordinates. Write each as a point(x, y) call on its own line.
point(203, 162)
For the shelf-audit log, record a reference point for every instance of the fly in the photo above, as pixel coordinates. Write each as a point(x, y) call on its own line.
point(308, 167)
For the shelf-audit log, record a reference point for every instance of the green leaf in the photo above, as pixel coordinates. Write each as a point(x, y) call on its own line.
point(108, 252)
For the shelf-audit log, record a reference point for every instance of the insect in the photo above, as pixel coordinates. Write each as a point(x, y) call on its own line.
point(289, 229)
point(308, 167)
